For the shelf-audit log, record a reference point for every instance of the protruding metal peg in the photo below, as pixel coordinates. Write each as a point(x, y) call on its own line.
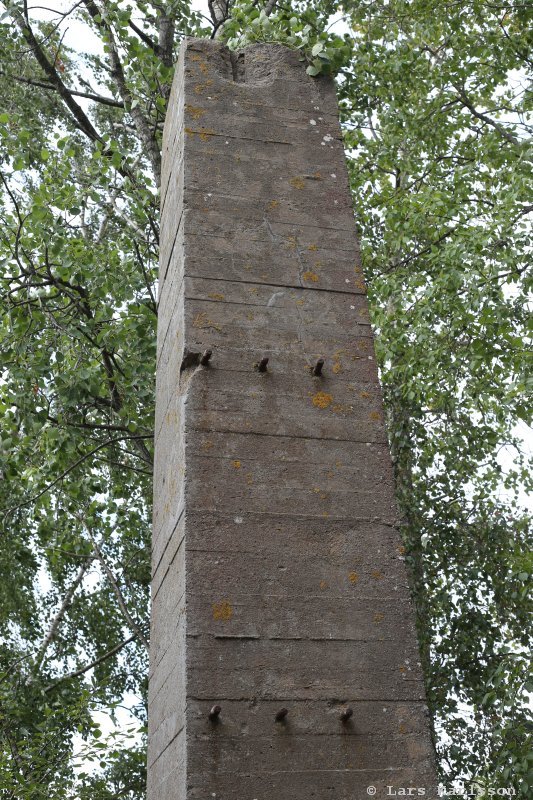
point(281, 714)
point(346, 714)
point(206, 357)
point(215, 713)
point(317, 369)
point(261, 366)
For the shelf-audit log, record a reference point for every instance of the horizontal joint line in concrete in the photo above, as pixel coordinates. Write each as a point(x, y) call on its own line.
point(329, 518)
point(285, 436)
point(259, 139)
point(304, 735)
point(292, 226)
point(295, 461)
point(303, 639)
point(323, 596)
point(295, 699)
point(270, 285)
point(373, 770)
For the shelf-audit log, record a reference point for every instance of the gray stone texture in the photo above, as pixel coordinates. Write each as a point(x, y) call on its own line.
point(278, 574)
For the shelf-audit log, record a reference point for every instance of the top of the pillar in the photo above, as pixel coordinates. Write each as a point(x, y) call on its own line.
point(256, 64)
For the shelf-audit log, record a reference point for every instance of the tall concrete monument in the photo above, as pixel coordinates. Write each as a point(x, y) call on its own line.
point(284, 662)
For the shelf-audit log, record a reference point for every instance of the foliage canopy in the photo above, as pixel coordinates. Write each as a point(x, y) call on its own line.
point(435, 107)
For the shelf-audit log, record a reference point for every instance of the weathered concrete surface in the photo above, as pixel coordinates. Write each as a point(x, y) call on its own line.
point(278, 575)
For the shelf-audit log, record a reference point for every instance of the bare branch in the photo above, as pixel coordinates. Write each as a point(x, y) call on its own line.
point(67, 600)
point(467, 103)
point(142, 124)
point(95, 663)
point(143, 36)
point(107, 101)
point(116, 589)
point(81, 118)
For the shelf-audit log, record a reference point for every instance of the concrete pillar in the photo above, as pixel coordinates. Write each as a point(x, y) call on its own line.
point(278, 575)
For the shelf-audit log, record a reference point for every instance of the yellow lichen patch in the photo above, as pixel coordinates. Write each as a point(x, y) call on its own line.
point(322, 400)
point(353, 577)
point(361, 285)
point(202, 66)
point(364, 395)
point(310, 276)
point(250, 315)
point(253, 289)
point(216, 296)
point(222, 611)
point(194, 111)
point(402, 728)
point(317, 176)
point(189, 131)
point(300, 302)
point(236, 464)
point(323, 585)
point(249, 480)
point(313, 247)
point(291, 242)
point(378, 618)
point(273, 204)
point(375, 415)
point(201, 320)
point(377, 575)
point(337, 367)
point(205, 133)
point(403, 668)
point(297, 182)
point(201, 87)
point(401, 549)
point(207, 445)
point(338, 408)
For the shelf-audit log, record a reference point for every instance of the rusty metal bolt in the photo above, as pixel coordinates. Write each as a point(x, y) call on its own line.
point(317, 369)
point(205, 357)
point(215, 713)
point(346, 714)
point(281, 714)
point(261, 366)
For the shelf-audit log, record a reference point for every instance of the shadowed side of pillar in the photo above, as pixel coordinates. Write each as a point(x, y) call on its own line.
point(284, 660)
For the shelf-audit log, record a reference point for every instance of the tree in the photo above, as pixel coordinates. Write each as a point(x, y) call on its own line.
point(434, 109)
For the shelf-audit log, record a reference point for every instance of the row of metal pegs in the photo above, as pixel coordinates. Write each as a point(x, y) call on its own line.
point(260, 366)
point(281, 715)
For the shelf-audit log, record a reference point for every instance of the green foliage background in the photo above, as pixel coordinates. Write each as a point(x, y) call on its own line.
point(435, 102)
